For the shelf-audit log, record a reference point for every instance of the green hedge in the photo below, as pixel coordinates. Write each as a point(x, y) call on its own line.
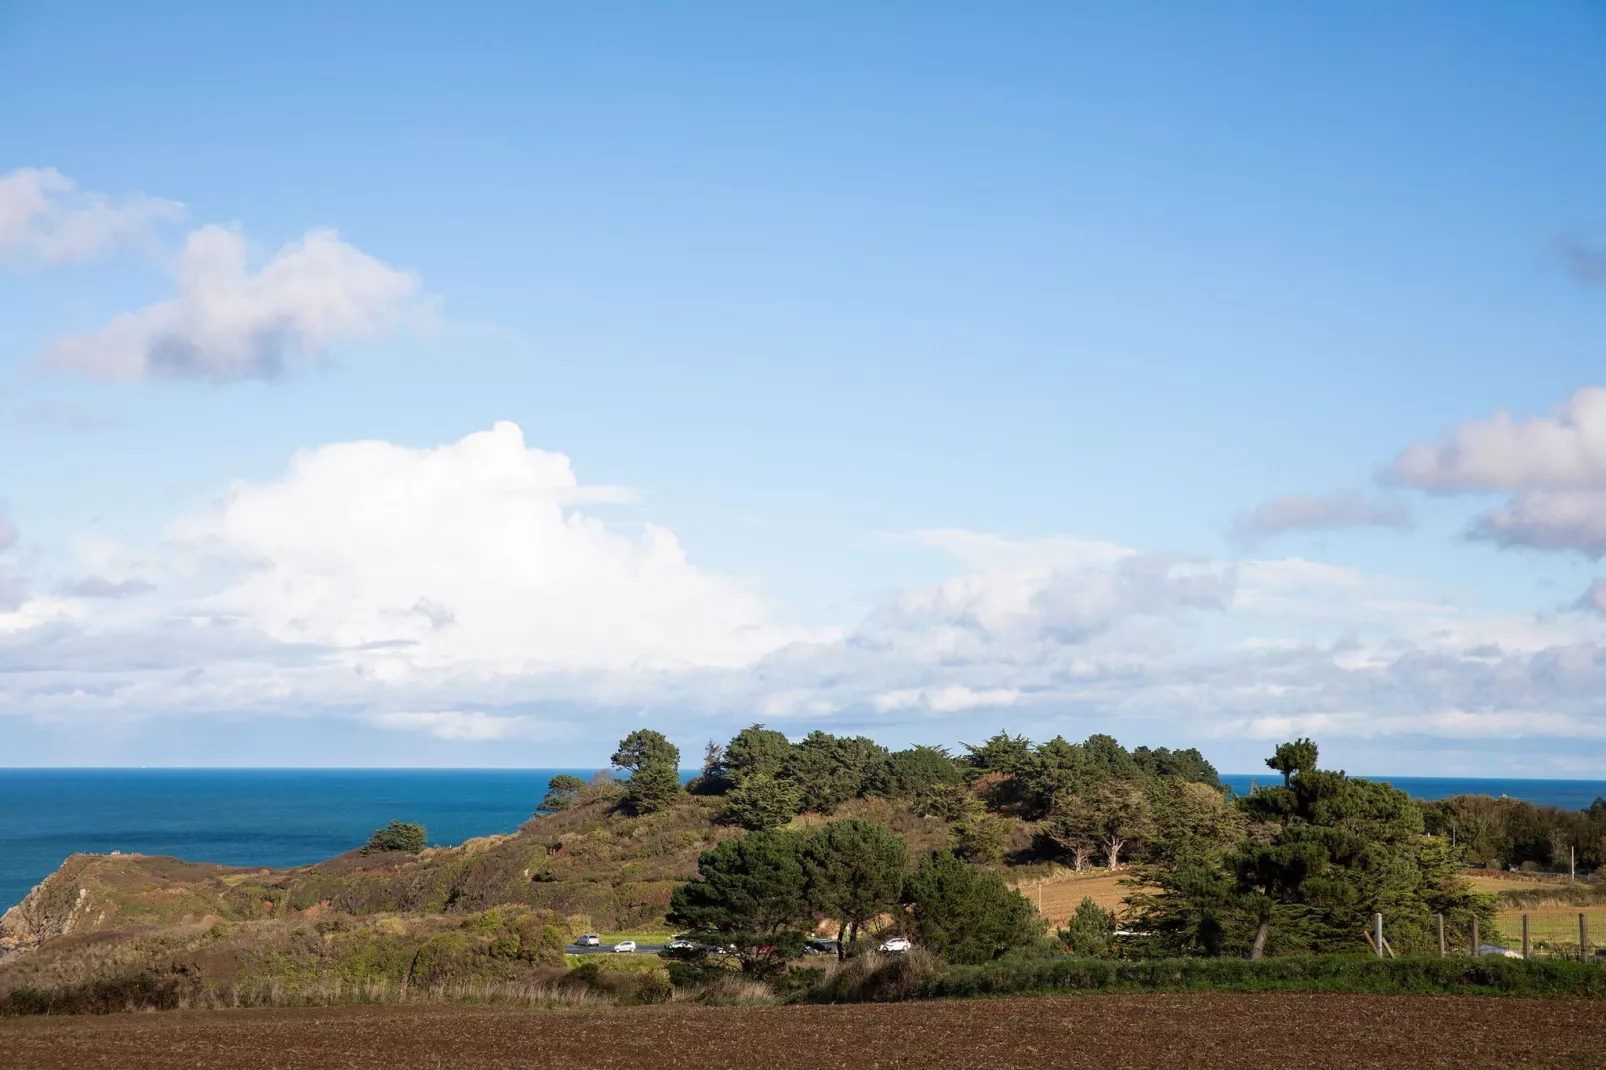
point(1315, 974)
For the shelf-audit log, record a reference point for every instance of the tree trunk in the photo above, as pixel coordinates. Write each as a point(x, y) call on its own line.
point(1079, 854)
point(1259, 950)
point(841, 945)
point(1113, 850)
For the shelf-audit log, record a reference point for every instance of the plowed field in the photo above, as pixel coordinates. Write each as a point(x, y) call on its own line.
point(1103, 1032)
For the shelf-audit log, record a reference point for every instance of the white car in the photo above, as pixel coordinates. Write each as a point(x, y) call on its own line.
point(589, 940)
point(681, 943)
point(624, 947)
point(895, 945)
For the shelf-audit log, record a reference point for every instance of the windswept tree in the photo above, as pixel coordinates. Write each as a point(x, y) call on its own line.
point(918, 775)
point(750, 894)
point(643, 748)
point(654, 765)
point(1290, 758)
point(561, 793)
point(397, 836)
point(854, 870)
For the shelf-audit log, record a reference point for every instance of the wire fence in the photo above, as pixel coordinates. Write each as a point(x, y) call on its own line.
point(1535, 934)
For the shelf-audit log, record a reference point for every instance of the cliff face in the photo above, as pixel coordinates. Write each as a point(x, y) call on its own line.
point(52, 909)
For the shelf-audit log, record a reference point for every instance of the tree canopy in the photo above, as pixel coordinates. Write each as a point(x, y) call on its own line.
point(965, 914)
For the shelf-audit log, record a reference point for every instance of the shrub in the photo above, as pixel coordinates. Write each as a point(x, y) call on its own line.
point(1091, 931)
point(397, 836)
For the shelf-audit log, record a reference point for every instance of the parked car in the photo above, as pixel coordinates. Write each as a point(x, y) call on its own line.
point(895, 945)
point(681, 943)
point(820, 947)
point(589, 940)
point(624, 946)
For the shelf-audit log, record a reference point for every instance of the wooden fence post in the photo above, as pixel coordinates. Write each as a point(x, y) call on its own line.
point(1527, 948)
point(1440, 919)
point(1377, 931)
point(1474, 936)
point(1583, 936)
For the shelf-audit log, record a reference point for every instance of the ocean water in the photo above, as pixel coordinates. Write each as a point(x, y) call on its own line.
point(287, 817)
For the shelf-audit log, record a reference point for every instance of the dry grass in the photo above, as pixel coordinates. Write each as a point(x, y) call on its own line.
point(1495, 881)
point(1199, 1031)
point(1061, 893)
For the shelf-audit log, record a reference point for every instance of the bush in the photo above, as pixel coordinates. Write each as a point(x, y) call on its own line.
point(1091, 931)
point(397, 836)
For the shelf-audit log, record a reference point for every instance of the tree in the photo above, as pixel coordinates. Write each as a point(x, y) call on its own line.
point(561, 792)
point(653, 788)
point(749, 894)
point(918, 774)
point(854, 870)
point(1002, 753)
point(1090, 933)
point(1074, 829)
point(644, 747)
point(1122, 815)
point(1188, 765)
point(967, 915)
point(712, 779)
point(397, 836)
point(1330, 852)
point(760, 801)
point(829, 770)
point(754, 751)
point(1290, 758)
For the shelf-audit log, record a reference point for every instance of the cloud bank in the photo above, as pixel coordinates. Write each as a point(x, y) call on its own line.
point(474, 592)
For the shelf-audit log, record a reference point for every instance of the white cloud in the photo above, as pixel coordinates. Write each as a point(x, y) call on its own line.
point(45, 218)
point(1303, 512)
point(473, 727)
point(464, 592)
point(1554, 468)
point(1564, 450)
point(8, 534)
point(950, 698)
point(227, 323)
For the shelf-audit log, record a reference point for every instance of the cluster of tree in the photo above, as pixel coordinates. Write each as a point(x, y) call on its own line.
point(758, 895)
point(1511, 832)
point(1316, 857)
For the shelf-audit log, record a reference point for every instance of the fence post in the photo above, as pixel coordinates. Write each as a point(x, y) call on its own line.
point(1474, 936)
point(1526, 946)
point(1377, 932)
point(1583, 936)
point(1440, 919)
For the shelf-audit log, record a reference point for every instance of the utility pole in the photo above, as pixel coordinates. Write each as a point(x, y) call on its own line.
point(1377, 932)
point(1572, 865)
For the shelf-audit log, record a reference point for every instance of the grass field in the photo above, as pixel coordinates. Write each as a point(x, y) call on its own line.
point(1060, 894)
point(1203, 1031)
point(1552, 928)
point(1494, 881)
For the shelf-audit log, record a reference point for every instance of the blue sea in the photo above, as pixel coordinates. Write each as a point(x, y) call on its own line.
point(287, 817)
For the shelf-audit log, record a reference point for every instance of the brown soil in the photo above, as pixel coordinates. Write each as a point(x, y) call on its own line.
point(1103, 1032)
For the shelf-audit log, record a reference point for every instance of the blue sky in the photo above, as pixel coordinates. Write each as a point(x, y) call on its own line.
point(919, 371)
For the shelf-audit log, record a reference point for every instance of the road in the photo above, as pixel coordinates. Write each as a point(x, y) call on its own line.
point(607, 949)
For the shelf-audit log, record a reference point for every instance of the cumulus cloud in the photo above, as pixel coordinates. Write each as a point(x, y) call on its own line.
point(1587, 265)
point(45, 218)
point(1303, 512)
point(1565, 450)
point(227, 322)
point(1553, 467)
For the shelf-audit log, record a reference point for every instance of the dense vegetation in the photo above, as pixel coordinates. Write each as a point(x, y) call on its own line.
point(779, 843)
